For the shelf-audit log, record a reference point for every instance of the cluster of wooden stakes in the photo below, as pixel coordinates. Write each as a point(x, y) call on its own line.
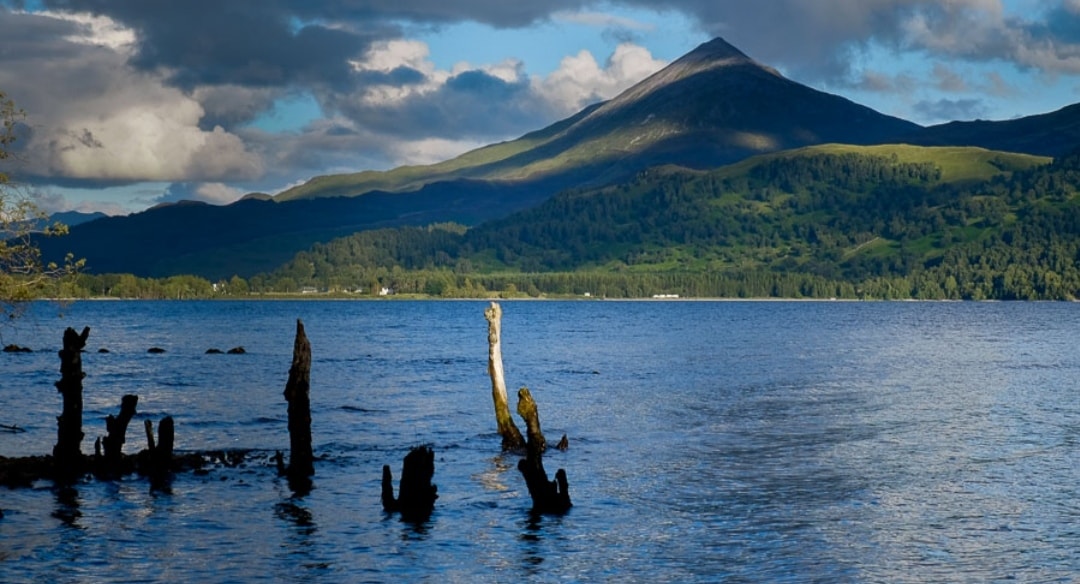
point(416, 494)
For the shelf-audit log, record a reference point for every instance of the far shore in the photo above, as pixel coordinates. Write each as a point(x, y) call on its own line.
point(555, 298)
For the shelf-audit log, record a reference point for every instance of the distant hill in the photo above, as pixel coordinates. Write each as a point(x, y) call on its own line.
point(879, 222)
point(73, 218)
point(1050, 134)
point(253, 234)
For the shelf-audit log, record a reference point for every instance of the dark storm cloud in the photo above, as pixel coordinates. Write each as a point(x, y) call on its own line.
point(497, 13)
point(822, 40)
point(397, 77)
point(281, 42)
point(214, 42)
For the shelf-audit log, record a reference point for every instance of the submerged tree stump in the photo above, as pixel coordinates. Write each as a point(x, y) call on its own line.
point(116, 426)
point(67, 454)
point(511, 436)
point(160, 454)
point(416, 493)
point(301, 458)
point(548, 496)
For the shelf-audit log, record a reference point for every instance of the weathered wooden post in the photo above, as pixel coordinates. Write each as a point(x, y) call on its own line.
point(548, 496)
point(416, 494)
point(301, 458)
point(511, 436)
point(117, 435)
point(67, 454)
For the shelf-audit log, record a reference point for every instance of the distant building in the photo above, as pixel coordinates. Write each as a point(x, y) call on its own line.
point(309, 290)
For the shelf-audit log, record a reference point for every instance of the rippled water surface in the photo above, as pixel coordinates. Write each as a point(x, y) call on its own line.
point(709, 441)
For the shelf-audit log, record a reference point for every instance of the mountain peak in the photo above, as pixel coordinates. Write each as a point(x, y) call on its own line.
point(714, 55)
point(715, 50)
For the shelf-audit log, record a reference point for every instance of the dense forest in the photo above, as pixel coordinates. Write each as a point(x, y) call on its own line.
point(819, 226)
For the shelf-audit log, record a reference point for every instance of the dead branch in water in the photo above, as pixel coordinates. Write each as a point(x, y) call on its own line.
point(547, 496)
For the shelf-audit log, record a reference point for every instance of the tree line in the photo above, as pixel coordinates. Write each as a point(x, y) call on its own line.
point(820, 226)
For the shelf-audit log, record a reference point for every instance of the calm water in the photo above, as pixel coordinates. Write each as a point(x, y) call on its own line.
point(709, 441)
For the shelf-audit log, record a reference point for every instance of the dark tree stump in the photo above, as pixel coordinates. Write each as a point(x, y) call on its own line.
point(117, 435)
point(67, 454)
point(301, 458)
point(416, 493)
point(551, 497)
point(160, 453)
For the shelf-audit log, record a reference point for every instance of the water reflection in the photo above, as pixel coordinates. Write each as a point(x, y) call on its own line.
point(67, 507)
point(415, 530)
point(533, 537)
point(300, 544)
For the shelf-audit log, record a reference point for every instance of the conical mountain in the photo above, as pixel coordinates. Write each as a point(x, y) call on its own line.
point(713, 106)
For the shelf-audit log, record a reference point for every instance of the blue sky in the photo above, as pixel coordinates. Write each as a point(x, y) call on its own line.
point(132, 103)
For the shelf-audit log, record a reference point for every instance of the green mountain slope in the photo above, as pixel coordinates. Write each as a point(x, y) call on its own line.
point(881, 222)
point(713, 106)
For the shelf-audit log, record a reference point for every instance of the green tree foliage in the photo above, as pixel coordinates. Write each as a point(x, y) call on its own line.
point(819, 226)
point(23, 276)
point(826, 225)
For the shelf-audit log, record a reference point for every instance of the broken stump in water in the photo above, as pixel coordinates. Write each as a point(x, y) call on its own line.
point(67, 454)
point(160, 453)
point(548, 496)
point(116, 426)
point(416, 494)
point(511, 436)
point(297, 389)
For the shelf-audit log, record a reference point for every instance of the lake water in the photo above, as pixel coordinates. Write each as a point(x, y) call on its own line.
point(709, 441)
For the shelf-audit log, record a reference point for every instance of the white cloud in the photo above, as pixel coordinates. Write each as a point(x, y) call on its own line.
point(580, 80)
point(431, 150)
point(217, 193)
point(93, 118)
point(96, 30)
point(141, 139)
point(388, 56)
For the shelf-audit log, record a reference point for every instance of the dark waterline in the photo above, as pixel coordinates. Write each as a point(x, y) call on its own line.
point(709, 441)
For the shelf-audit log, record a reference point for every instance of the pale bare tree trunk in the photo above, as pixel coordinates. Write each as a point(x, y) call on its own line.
point(511, 436)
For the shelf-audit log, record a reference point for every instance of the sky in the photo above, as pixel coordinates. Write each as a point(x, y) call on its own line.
point(132, 103)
